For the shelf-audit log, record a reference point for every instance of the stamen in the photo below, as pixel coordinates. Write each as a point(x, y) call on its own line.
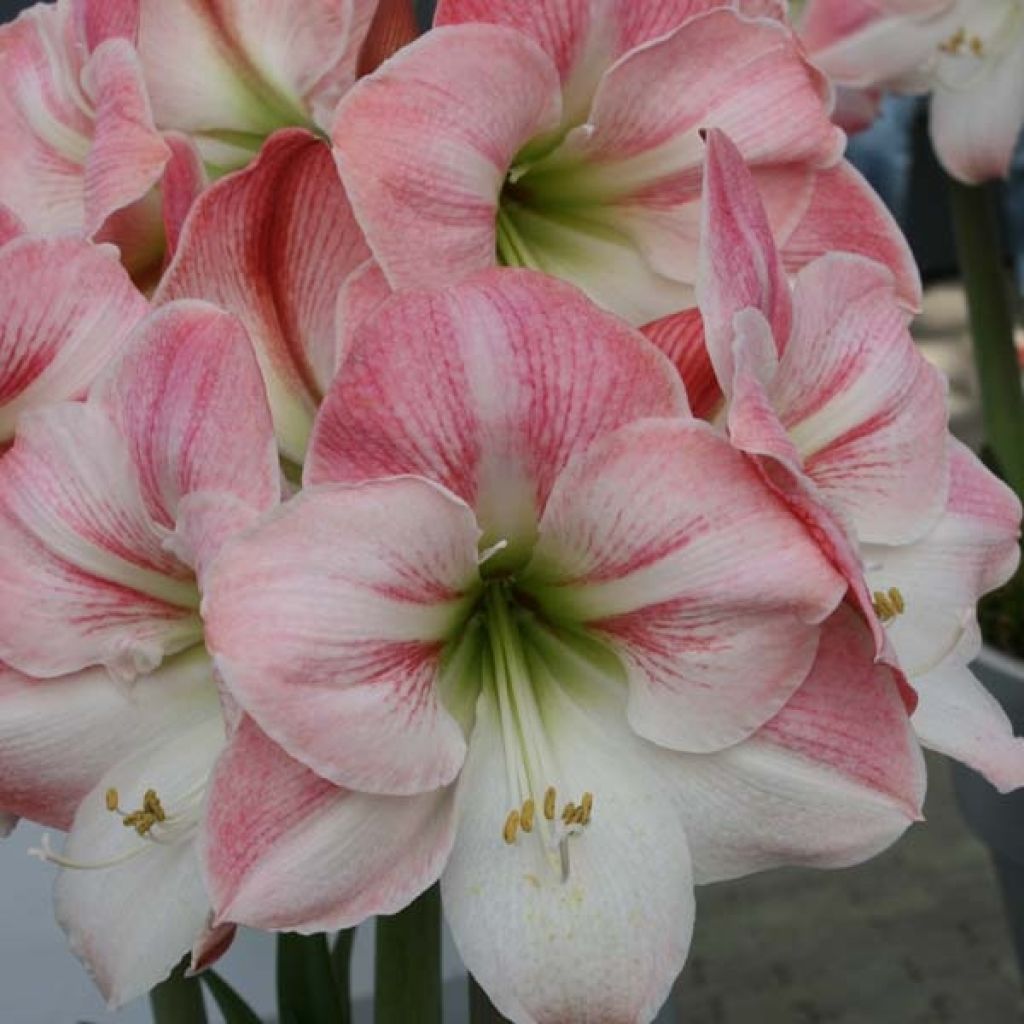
point(568, 813)
point(112, 800)
point(511, 827)
point(549, 803)
point(888, 604)
point(526, 816)
point(587, 806)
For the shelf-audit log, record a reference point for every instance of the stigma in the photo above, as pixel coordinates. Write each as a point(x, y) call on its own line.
point(888, 604)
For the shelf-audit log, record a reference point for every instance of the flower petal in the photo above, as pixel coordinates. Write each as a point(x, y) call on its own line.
point(188, 399)
point(273, 244)
point(681, 338)
point(84, 577)
point(183, 181)
point(605, 943)
point(665, 541)
point(394, 26)
point(489, 389)
point(424, 145)
point(110, 915)
point(11, 225)
point(832, 780)
point(65, 310)
point(958, 717)
point(329, 620)
point(316, 858)
point(972, 549)
point(59, 736)
point(864, 408)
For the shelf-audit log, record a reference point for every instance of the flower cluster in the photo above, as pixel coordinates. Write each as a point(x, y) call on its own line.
point(498, 457)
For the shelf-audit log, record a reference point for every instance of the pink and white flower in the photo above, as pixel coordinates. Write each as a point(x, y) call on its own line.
point(110, 510)
point(565, 138)
point(532, 628)
point(827, 391)
point(968, 54)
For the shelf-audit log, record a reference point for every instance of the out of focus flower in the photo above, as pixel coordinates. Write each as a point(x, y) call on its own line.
point(968, 54)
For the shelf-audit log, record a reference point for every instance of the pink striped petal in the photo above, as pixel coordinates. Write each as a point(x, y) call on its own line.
point(253, 65)
point(864, 408)
point(183, 181)
point(489, 389)
point(84, 577)
point(664, 540)
point(972, 550)
point(330, 620)
point(189, 401)
point(958, 717)
point(739, 265)
point(681, 337)
point(843, 213)
point(394, 26)
point(65, 310)
point(316, 857)
point(59, 736)
point(273, 244)
point(424, 145)
point(363, 292)
point(97, 22)
point(11, 225)
point(832, 780)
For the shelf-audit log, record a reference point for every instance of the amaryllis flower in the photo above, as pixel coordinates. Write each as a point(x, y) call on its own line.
point(66, 308)
point(79, 151)
point(565, 138)
point(276, 244)
point(826, 388)
point(229, 74)
point(533, 628)
point(110, 720)
point(969, 54)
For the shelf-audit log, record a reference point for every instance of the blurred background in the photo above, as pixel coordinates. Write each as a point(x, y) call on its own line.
point(918, 936)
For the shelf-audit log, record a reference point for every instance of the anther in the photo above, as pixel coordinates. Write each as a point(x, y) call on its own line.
point(586, 806)
point(549, 803)
point(526, 816)
point(151, 804)
point(888, 604)
point(511, 827)
point(113, 800)
point(568, 813)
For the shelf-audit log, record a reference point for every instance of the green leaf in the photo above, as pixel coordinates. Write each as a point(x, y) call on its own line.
point(178, 1000)
point(229, 1002)
point(408, 975)
point(306, 992)
point(481, 1009)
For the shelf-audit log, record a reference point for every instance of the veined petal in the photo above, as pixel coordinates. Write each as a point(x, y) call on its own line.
point(424, 145)
point(11, 225)
point(132, 922)
point(273, 244)
point(832, 780)
point(84, 577)
point(317, 857)
point(863, 407)
point(394, 26)
point(59, 736)
point(65, 310)
point(329, 620)
point(183, 181)
point(666, 542)
point(958, 717)
point(488, 388)
point(604, 941)
point(972, 549)
point(188, 399)
point(681, 337)
point(739, 266)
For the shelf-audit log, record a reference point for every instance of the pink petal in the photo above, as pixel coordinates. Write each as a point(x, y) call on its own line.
point(84, 577)
point(393, 26)
point(127, 156)
point(843, 213)
point(59, 736)
point(184, 179)
point(424, 145)
point(665, 541)
point(739, 265)
point(331, 618)
point(99, 20)
point(189, 401)
point(832, 780)
point(364, 290)
point(681, 338)
point(489, 389)
point(273, 244)
point(864, 408)
point(65, 310)
point(316, 858)
point(11, 225)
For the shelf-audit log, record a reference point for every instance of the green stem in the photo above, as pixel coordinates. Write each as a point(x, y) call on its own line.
point(306, 993)
point(481, 1009)
point(178, 1000)
point(341, 963)
point(989, 298)
point(408, 973)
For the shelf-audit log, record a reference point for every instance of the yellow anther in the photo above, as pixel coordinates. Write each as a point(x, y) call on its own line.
point(549, 803)
point(526, 816)
point(511, 827)
point(113, 800)
point(897, 600)
point(977, 46)
point(579, 817)
point(587, 807)
point(151, 804)
point(888, 604)
point(141, 821)
point(568, 813)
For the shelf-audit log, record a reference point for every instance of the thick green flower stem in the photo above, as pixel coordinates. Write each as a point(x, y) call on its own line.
point(178, 1000)
point(408, 973)
point(306, 990)
point(989, 299)
point(481, 1009)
